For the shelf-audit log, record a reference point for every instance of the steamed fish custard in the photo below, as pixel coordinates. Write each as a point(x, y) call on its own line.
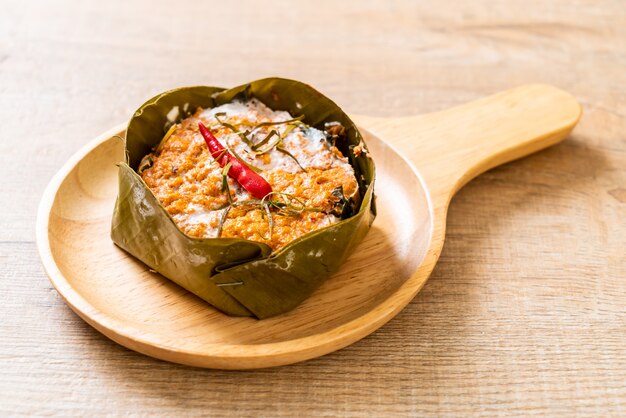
point(248, 197)
point(307, 179)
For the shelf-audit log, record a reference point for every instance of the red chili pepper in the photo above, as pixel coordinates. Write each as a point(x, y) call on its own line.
point(249, 180)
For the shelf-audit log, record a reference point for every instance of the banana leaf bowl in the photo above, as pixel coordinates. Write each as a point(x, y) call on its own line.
point(268, 283)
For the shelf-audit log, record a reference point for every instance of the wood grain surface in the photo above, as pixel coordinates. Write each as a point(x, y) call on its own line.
point(525, 311)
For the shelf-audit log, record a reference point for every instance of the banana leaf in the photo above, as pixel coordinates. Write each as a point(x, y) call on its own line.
point(236, 276)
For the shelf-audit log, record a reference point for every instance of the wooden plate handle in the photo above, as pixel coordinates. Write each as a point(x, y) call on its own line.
point(451, 147)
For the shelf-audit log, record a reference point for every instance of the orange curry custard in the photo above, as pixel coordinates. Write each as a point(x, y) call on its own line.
point(309, 176)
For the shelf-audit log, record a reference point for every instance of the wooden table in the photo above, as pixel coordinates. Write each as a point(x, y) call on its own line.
point(525, 313)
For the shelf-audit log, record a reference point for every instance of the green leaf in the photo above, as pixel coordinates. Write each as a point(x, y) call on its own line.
point(287, 153)
point(225, 187)
point(265, 140)
point(242, 135)
point(239, 277)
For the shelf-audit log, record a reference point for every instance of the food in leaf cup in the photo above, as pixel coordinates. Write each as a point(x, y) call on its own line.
point(248, 197)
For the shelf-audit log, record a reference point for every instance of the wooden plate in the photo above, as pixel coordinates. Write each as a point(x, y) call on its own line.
point(421, 161)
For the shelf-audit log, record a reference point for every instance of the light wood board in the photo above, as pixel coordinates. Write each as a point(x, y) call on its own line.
point(420, 162)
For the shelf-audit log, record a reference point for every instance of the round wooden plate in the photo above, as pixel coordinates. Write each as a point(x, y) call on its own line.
point(421, 161)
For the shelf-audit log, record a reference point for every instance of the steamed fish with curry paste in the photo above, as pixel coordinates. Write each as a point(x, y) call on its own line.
point(309, 177)
point(248, 197)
